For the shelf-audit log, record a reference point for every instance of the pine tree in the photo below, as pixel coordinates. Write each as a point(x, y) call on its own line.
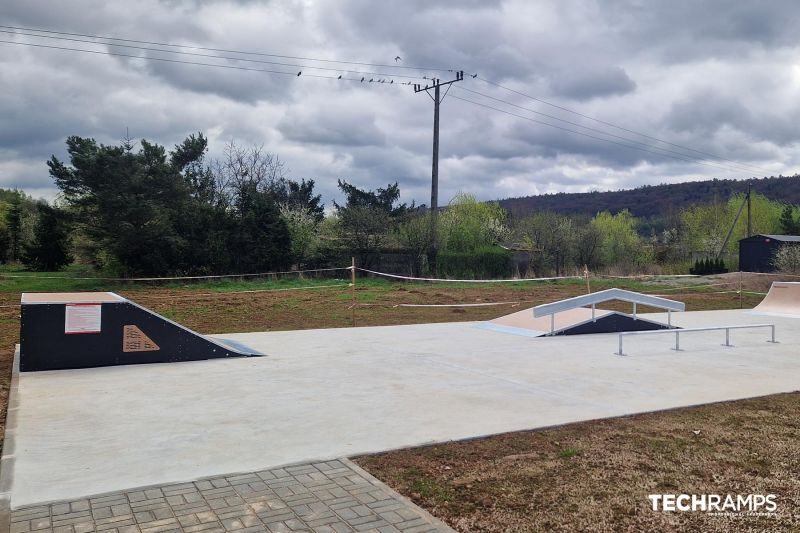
point(50, 249)
point(14, 227)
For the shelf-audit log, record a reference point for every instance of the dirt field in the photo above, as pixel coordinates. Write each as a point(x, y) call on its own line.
point(596, 476)
point(586, 476)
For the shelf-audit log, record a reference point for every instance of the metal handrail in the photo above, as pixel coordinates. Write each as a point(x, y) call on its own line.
point(678, 332)
point(607, 295)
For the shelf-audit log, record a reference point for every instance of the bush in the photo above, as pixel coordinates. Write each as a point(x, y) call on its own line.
point(787, 259)
point(487, 262)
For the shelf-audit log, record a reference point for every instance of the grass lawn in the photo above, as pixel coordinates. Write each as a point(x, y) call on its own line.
point(587, 476)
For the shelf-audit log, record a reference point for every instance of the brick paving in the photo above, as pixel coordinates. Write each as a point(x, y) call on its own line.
point(332, 496)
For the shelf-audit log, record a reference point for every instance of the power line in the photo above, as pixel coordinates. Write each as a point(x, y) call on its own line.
point(709, 154)
point(649, 148)
point(587, 134)
point(164, 59)
point(739, 168)
point(242, 52)
point(195, 54)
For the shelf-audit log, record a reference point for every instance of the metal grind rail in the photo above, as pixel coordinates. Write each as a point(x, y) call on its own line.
point(677, 333)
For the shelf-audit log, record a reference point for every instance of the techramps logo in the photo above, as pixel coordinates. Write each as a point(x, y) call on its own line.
point(730, 505)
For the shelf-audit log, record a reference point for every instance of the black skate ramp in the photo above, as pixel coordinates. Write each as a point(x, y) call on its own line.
point(60, 331)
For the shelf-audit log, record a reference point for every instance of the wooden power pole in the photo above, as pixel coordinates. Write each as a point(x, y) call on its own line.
point(437, 98)
point(749, 210)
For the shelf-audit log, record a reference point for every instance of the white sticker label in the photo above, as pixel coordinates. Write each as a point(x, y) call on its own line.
point(82, 318)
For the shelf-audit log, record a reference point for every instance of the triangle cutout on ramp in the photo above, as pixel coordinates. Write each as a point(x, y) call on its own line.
point(134, 340)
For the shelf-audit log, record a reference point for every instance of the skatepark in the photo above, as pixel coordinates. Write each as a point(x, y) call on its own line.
point(321, 395)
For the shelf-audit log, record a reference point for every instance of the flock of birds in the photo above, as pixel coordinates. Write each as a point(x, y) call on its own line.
point(383, 80)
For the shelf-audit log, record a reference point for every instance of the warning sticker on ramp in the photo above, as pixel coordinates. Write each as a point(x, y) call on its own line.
point(82, 318)
point(134, 340)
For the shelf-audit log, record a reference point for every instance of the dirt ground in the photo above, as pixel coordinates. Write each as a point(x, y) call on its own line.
point(596, 476)
point(592, 476)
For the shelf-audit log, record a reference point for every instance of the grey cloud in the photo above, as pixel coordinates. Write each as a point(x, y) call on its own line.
point(583, 83)
point(331, 126)
point(716, 76)
point(237, 85)
point(707, 112)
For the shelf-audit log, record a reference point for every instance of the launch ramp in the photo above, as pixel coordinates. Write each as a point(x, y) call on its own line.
point(90, 329)
point(572, 316)
point(783, 299)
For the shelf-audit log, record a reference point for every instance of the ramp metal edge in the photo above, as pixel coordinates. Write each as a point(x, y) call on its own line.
point(755, 312)
point(606, 295)
point(193, 332)
point(499, 328)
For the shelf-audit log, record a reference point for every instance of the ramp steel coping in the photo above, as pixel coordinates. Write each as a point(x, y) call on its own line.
point(678, 332)
point(603, 296)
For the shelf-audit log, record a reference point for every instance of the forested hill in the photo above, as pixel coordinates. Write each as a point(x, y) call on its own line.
point(654, 200)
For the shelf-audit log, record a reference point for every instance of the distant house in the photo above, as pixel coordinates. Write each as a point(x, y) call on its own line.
point(756, 253)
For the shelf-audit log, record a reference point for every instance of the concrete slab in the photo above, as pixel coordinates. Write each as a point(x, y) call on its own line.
point(323, 394)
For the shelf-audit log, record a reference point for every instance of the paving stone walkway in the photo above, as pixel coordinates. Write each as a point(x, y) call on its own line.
point(332, 496)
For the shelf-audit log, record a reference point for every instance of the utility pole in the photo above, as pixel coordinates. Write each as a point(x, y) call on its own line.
point(749, 211)
point(436, 85)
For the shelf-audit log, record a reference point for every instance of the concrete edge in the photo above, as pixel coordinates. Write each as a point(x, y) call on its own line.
point(316, 460)
point(378, 483)
point(9, 445)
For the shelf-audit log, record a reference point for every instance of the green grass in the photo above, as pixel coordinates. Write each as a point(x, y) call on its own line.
point(427, 487)
point(15, 279)
point(568, 453)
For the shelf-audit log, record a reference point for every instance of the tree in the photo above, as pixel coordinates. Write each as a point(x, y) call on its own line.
point(789, 224)
point(130, 202)
point(414, 233)
point(14, 227)
point(620, 244)
point(551, 240)
point(587, 246)
point(302, 226)
point(257, 238)
point(367, 218)
point(298, 196)
point(468, 224)
point(242, 170)
point(705, 226)
point(189, 158)
point(50, 249)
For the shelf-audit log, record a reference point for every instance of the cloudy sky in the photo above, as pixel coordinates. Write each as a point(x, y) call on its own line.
point(721, 78)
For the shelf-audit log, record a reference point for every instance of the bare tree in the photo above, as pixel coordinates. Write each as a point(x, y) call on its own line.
point(243, 168)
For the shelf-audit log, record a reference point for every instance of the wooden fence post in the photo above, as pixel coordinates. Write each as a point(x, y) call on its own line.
point(353, 291)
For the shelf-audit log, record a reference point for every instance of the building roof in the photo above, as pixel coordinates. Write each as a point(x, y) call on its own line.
point(782, 238)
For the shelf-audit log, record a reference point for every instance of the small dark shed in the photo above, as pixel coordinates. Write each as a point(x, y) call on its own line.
point(756, 252)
